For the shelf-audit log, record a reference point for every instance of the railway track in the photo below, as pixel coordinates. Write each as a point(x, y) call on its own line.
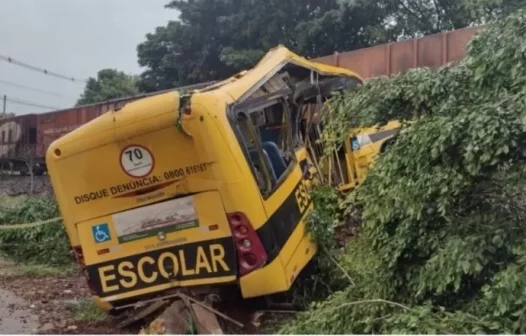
point(16, 185)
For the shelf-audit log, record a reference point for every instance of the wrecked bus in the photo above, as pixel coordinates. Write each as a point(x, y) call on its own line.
point(196, 189)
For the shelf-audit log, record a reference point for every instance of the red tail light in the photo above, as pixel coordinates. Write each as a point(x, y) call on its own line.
point(251, 254)
point(79, 254)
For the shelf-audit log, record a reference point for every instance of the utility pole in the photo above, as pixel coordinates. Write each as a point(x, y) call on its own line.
point(5, 101)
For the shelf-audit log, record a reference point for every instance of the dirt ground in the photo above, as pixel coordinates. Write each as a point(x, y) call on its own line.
point(61, 304)
point(36, 304)
point(45, 305)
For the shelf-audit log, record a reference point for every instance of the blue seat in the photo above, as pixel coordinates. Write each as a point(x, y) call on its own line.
point(277, 161)
point(254, 156)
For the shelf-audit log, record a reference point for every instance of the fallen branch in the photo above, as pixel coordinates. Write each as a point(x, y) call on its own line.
point(354, 303)
point(279, 311)
point(340, 267)
point(239, 324)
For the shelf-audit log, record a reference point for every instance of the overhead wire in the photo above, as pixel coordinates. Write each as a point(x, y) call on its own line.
point(34, 89)
point(29, 103)
point(38, 69)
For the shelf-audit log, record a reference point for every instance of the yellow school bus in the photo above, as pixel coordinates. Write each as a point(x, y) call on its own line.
point(346, 168)
point(200, 188)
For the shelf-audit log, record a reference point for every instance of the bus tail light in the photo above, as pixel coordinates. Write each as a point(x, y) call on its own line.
point(251, 254)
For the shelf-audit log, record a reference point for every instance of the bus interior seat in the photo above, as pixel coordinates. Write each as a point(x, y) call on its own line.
point(277, 161)
point(254, 157)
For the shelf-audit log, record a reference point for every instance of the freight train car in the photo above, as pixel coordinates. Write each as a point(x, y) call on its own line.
point(18, 142)
point(53, 125)
point(24, 139)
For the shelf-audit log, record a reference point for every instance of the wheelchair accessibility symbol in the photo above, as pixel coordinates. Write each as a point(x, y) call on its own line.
point(101, 233)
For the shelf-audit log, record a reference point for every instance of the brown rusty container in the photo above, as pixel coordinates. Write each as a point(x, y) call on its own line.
point(18, 140)
point(392, 58)
point(53, 125)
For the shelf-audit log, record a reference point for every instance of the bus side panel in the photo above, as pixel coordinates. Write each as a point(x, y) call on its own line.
point(285, 209)
point(299, 246)
point(281, 235)
point(264, 281)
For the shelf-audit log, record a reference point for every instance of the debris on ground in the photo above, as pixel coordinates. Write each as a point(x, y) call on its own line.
point(44, 303)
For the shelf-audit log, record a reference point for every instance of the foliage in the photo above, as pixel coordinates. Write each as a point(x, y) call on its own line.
point(415, 18)
point(321, 277)
point(109, 84)
point(39, 270)
point(45, 244)
point(325, 217)
point(442, 249)
point(86, 310)
point(213, 39)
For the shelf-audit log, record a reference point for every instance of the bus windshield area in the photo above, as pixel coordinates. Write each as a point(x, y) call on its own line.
point(272, 123)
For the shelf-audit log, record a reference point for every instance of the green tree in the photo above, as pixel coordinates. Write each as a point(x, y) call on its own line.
point(109, 84)
point(442, 249)
point(216, 38)
point(414, 18)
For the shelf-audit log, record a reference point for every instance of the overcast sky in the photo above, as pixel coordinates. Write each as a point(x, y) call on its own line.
point(76, 38)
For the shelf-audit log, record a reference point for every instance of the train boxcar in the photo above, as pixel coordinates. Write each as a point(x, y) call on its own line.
point(18, 143)
point(53, 125)
point(24, 139)
point(392, 58)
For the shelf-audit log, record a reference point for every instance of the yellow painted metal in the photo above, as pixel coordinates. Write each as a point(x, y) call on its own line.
point(192, 152)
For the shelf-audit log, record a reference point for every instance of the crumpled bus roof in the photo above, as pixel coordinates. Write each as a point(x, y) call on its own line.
point(245, 82)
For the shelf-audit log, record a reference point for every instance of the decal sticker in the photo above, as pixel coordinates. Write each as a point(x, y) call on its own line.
point(203, 260)
point(139, 187)
point(136, 161)
point(174, 215)
point(355, 144)
point(101, 233)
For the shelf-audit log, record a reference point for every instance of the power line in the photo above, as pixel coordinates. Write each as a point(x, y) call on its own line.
point(34, 89)
point(29, 103)
point(46, 72)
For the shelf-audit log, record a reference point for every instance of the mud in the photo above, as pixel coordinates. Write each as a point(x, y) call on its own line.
point(42, 305)
point(15, 317)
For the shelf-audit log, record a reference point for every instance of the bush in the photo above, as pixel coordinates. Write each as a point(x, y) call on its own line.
point(442, 248)
point(45, 244)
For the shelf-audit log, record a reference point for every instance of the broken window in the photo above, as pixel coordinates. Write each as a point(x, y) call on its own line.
point(266, 134)
point(281, 116)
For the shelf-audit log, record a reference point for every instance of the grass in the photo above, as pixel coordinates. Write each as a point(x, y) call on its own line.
point(11, 269)
point(86, 310)
point(11, 202)
point(44, 270)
